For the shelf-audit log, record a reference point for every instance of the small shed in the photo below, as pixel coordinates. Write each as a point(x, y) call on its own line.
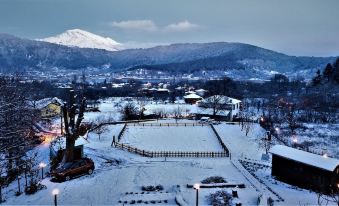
point(304, 169)
point(192, 98)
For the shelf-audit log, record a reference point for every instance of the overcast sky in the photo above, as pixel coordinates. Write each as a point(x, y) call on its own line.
point(295, 27)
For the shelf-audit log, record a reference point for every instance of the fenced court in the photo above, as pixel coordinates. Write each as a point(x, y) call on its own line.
point(171, 140)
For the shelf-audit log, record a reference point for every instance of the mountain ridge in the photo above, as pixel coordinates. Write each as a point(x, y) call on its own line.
point(21, 54)
point(83, 39)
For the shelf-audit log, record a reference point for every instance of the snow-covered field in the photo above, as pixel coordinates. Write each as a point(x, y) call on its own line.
point(118, 172)
point(172, 138)
point(119, 175)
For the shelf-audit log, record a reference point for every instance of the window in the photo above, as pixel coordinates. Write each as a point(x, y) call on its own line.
point(75, 165)
point(82, 163)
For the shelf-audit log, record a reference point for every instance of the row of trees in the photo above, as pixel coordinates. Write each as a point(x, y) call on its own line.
point(17, 117)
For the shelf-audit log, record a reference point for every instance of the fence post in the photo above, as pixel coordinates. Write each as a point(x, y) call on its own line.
point(113, 142)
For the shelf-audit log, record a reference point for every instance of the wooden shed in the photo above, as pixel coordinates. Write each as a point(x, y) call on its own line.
point(304, 169)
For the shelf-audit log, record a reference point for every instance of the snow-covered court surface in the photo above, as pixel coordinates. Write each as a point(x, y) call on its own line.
point(172, 138)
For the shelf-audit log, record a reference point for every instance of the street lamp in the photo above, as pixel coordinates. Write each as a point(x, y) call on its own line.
point(295, 140)
point(197, 187)
point(42, 165)
point(19, 190)
point(55, 192)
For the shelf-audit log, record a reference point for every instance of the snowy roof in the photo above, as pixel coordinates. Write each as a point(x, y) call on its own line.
point(190, 92)
point(321, 162)
point(192, 96)
point(223, 99)
point(201, 90)
point(44, 102)
point(163, 90)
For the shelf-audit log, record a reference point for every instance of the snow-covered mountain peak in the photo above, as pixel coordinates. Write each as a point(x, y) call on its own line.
point(84, 39)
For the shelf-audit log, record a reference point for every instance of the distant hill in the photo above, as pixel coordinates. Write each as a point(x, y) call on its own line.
point(17, 54)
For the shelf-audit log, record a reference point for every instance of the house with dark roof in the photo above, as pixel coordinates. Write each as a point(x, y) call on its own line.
point(304, 169)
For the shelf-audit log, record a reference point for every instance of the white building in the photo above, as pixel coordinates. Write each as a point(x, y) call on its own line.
point(220, 104)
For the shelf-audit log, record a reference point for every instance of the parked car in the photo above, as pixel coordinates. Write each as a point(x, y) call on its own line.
point(72, 169)
point(204, 120)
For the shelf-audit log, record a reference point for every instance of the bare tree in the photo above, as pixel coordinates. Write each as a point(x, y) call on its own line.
point(100, 130)
point(129, 111)
point(17, 117)
point(246, 121)
point(177, 113)
point(216, 103)
point(329, 199)
point(73, 127)
point(141, 102)
point(265, 141)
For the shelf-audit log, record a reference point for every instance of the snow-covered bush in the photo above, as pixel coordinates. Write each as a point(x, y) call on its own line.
point(214, 179)
point(151, 188)
point(220, 198)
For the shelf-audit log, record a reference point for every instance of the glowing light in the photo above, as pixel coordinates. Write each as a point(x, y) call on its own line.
point(325, 155)
point(295, 140)
point(42, 165)
point(262, 119)
point(55, 192)
point(196, 186)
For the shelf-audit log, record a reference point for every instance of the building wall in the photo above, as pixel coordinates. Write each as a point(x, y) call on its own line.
point(302, 175)
point(51, 110)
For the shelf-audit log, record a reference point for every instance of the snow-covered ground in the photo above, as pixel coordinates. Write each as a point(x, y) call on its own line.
point(172, 138)
point(118, 172)
point(321, 138)
point(119, 175)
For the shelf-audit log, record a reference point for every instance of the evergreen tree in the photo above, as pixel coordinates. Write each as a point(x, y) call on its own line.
point(328, 72)
point(317, 79)
point(336, 71)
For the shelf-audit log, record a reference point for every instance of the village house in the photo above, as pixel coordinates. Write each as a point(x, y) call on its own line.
point(192, 98)
point(201, 92)
point(220, 107)
point(49, 107)
point(304, 169)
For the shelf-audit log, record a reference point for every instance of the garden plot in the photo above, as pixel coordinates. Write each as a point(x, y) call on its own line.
point(172, 138)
